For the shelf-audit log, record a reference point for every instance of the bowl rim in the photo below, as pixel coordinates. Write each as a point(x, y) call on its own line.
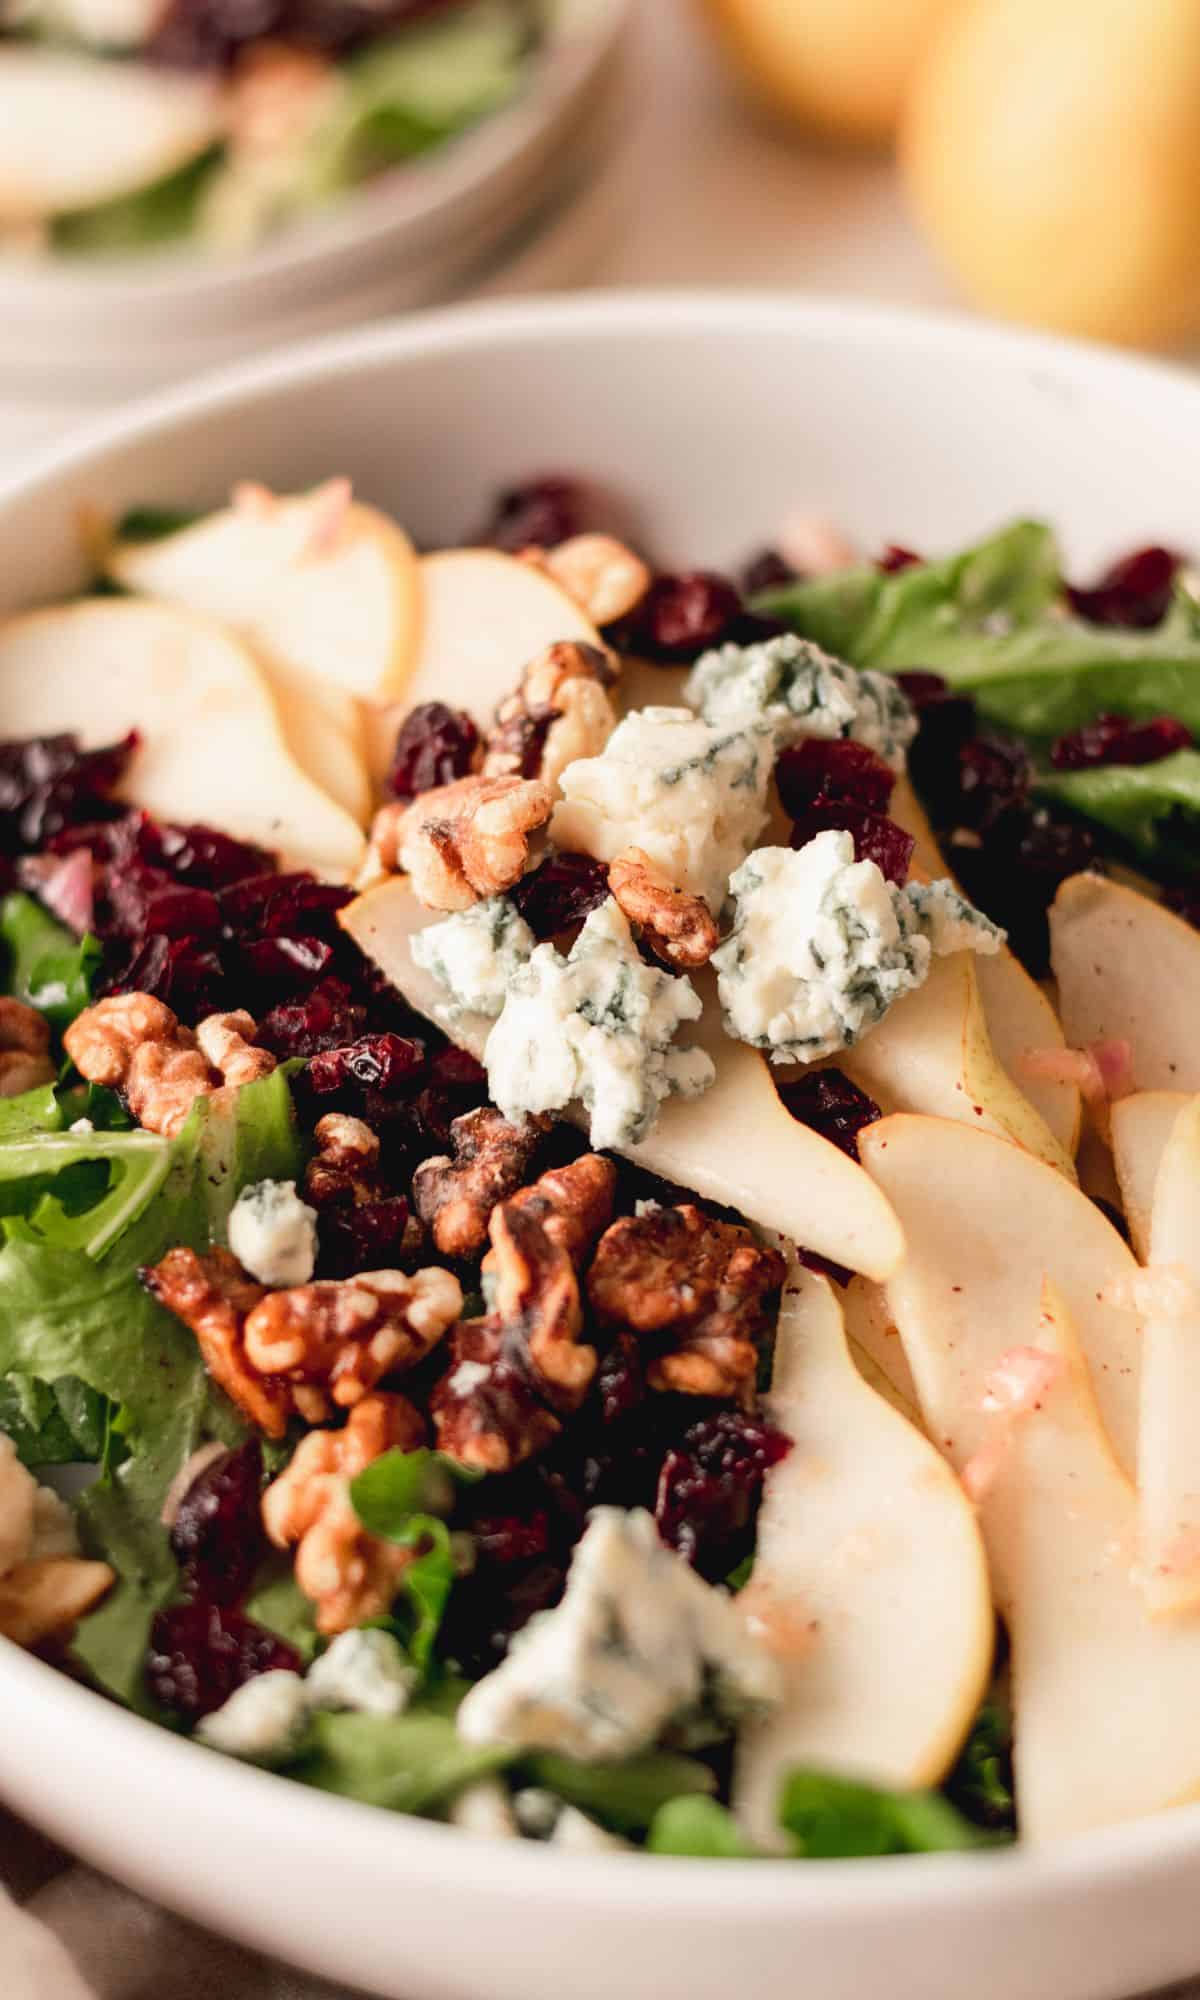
point(416, 199)
point(999, 1880)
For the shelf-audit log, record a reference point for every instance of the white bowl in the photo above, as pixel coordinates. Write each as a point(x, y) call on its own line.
point(718, 415)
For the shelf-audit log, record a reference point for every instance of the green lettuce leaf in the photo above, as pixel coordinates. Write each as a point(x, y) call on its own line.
point(410, 1763)
point(625, 1795)
point(54, 1423)
point(833, 1818)
point(278, 1602)
point(153, 524)
point(981, 1783)
point(47, 965)
point(80, 1191)
point(698, 1826)
point(391, 1498)
point(1154, 807)
point(163, 212)
point(33, 1111)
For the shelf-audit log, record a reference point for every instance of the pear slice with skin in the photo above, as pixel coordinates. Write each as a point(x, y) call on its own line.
point(210, 747)
point(1127, 970)
point(1019, 1018)
point(1169, 1439)
point(323, 728)
point(1141, 1127)
point(320, 584)
point(77, 131)
point(869, 1581)
point(735, 1144)
point(983, 1222)
point(875, 1343)
point(931, 1053)
point(1106, 1722)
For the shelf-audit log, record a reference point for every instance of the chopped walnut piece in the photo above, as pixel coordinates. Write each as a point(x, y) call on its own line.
point(455, 1197)
point(698, 1285)
point(349, 1575)
point(560, 711)
point(212, 1295)
point(678, 927)
point(46, 1597)
point(25, 1060)
point(347, 1334)
point(463, 841)
point(344, 1170)
point(134, 1043)
point(574, 1205)
point(516, 1370)
point(605, 578)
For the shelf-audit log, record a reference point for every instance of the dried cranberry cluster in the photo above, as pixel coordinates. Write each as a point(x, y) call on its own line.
point(209, 34)
point(846, 787)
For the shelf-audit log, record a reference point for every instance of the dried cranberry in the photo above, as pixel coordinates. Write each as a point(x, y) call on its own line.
point(287, 962)
point(768, 570)
point(827, 1102)
point(1114, 739)
point(814, 771)
point(896, 557)
point(49, 783)
point(268, 905)
point(876, 837)
point(541, 512)
point(993, 777)
point(145, 902)
point(376, 1062)
point(366, 1237)
point(1017, 871)
point(210, 859)
point(947, 722)
point(200, 1652)
point(185, 975)
point(434, 746)
point(457, 1069)
point(621, 1378)
point(1136, 591)
point(327, 1018)
point(683, 615)
point(217, 1536)
point(562, 892)
point(710, 1487)
point(923, 688)
point(509, 1538)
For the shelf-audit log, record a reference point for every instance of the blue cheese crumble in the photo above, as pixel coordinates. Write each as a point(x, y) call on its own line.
point(273, 1234)
point(595, 1028)
point(264, 1721)
point(690, 795)
point(638, 1642)
point(822, 946)
point(475, 954)
point(365, 1671)
point(796, 689)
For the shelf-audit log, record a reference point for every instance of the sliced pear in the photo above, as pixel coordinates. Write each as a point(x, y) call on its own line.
point(210, 746)
point(875, 1343)
point(1019, 1018)
point(320, 584)
point(77, 131)
point(1128, 970)
point(1141, 1126)
point(1107, 1726)
point(931, 1053)
point(869, 1576)
point(983, 1222)
point(1169, 1439)
point(323, 728)
point(736, 1144)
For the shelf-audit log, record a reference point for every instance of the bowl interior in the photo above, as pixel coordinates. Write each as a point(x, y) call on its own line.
point(716, 417)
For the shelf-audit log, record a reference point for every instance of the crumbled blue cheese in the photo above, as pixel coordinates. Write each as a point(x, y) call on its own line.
point(273, 1234)
point(596, 1028)
point(796, 689)
point(638, 1641)
point(475, 954)
point(366, 1671)
point(691, 796)
point(949, 922)
point(264, 1720)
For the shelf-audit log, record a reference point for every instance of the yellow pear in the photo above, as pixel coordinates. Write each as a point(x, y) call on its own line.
point(1052, 150)
point(842, 66)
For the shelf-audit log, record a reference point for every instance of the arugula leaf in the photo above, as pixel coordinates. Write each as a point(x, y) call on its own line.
point(623, 1795)
point(698, 1826)
point(835, 1818)
point(54, 1423)
point(49, 967)
point(981, 1783)
point(411, 1763)
point(163, 211)
point(91, 1211)
point(36, 1110)
point(386, 1496)
point(1155, 807)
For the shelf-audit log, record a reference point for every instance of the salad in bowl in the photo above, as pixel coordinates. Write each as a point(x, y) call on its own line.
point(600, 1172)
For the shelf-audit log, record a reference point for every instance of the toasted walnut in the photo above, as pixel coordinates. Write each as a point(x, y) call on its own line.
point(349, 1575)
point(134, 1043)
point(463, 841)
point(559, 711)
point(347, 1334)
point(605, 578)
point(574, 1205)
point(517, 1370)
point(212, 1295)
point(24, 1049)
point(697, 1285)
point(344, 1170)
point(46, 1597)
point(678, 927)
point(455, 1197)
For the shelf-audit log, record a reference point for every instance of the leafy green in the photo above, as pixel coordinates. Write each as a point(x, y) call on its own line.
point(391, 1498)
point(278, 1602)
point(626, 1795)
point(48, 1180)
point(153, 524)
point(981, 1783)
point(161, 213)
point(698, 1826)
point(835, 1818)
point(738, 1578)
point(410, 1763)
point(54, 1423)
point(1155, 807)
point(33, 1111)
point(48, 966)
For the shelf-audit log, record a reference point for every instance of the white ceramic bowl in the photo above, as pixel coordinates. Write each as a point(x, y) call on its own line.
point(718, 415)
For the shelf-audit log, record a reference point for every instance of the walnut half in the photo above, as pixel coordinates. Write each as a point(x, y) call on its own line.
point(559, 711)
point(455, 1197)
point(678, 927)
point(133, 1043)
point(24, 1049)
point(463, 841)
